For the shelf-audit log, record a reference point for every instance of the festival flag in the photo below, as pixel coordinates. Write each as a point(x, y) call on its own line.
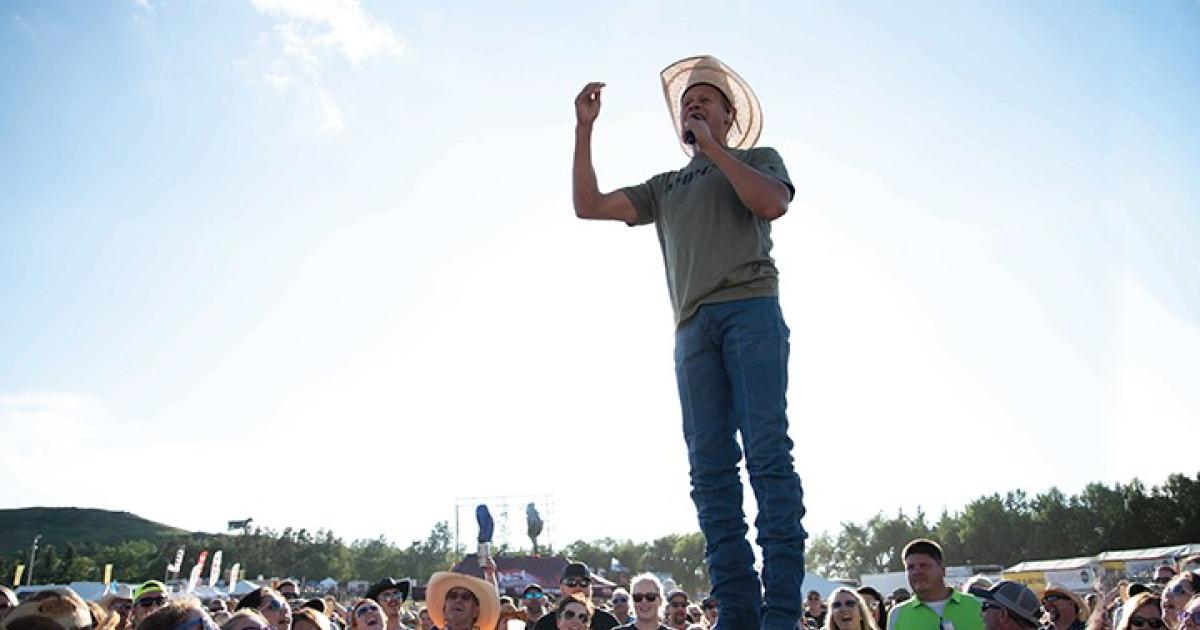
point(17, 576)
point(175, 566)
point(107, 575)
point(194, 578)
point(215, 573)
point(233, 576)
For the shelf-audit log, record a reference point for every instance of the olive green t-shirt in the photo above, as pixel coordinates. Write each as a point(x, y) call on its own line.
point(714, 248)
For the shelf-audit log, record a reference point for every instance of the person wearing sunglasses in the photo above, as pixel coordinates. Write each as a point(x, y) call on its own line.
point(677, 609)
point(576, 579)
point(391, 594)
point(1009, 605)
point(620, 606)
point(147, 598)
point(1142, 612)
point(645, 593)
point(462, 602)
point(367, 614)
point(1065, 608)
point(273, 607)
point(847, 611)
point(533, 600)
point(1175, 596)
point(574, 612)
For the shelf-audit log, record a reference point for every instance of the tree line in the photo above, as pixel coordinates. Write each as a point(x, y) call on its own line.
point(992, 529)
point(1016, 527)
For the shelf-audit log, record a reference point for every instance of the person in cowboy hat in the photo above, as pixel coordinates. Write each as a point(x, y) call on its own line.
point(1066, 609)
point(462, 602)
point(390, 594)
point(713, 218)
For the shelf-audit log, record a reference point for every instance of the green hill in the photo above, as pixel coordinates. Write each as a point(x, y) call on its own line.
point(59, 526)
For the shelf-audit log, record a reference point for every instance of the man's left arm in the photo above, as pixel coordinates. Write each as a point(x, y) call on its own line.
point(766, 196)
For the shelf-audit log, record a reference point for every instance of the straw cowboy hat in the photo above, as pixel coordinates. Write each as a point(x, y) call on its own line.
point(685, 73)
point(1081, 608)
point(443, 581)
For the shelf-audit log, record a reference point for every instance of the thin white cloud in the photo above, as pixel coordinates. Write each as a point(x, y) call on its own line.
point(278, 81)
point(340, 24)
point(334, 120)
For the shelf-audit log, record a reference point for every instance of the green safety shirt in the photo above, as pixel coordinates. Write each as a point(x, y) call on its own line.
point(962, 612)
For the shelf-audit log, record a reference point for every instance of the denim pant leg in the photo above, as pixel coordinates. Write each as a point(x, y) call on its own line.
point(713, 455)
point(756, 361)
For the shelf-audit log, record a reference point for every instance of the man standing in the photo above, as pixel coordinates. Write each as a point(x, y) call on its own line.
point(534, 600)
point(934, 605)
point(390, 594)
point(1008, 606)
point(677, 607)
point(713, 219)
point(577, 578)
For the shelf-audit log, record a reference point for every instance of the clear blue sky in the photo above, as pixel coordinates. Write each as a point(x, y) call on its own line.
point(330, 242)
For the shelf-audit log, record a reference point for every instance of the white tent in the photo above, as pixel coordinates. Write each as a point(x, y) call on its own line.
point(814, 582)
point(243, 587)
point(327, 584)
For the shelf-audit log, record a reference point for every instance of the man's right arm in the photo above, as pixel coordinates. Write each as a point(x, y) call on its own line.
point(590, 203)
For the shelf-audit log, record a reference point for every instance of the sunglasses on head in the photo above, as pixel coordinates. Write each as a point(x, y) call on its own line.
point(366, 610)
point(147, 602)
point(571, 614)
point(649, 597)
point(845, 604)
point(576, 582)
point(1138, 621)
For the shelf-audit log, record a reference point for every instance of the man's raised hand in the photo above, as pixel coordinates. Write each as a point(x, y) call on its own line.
point(587, 104)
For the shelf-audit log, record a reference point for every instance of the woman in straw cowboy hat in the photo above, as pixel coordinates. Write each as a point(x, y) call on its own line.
point(462, 602)
point(713, 218)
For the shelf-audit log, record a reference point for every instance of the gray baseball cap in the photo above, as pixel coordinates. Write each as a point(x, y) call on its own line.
point(1014, 597)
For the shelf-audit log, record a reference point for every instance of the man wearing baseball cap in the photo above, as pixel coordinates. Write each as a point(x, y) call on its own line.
point(1009, 606)
point(533, 599)
point(147, 598)
point(713, 217)
point(576, 578)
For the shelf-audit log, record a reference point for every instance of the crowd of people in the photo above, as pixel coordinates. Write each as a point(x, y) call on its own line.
point(455, 601)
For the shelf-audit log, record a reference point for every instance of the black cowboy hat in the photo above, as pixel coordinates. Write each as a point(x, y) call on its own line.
point(403, 586)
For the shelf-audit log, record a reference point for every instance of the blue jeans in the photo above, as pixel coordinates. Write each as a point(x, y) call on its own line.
point(731, 367)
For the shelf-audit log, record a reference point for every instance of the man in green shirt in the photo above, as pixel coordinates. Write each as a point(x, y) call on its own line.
point(713, 219)
point(934, 605)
